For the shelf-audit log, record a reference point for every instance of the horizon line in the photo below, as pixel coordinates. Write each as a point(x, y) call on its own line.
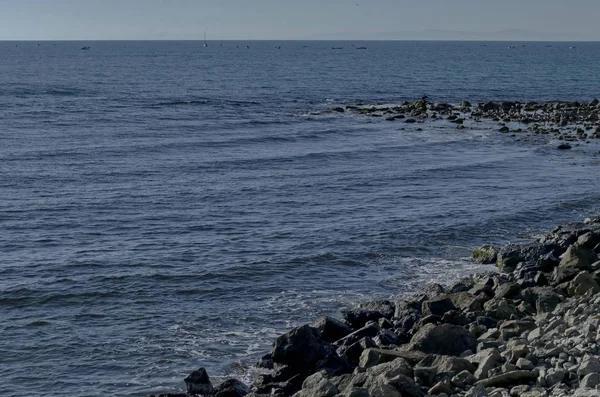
point(309, 39)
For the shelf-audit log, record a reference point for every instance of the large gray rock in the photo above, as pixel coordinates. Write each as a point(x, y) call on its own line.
point(317, 385)
point(398, 366)
point(300, 348)
point(468, 302)
point(583, 283)
point(590, 381)
point(589, 364)
point(368, 311)
point(398, 386)
point(372, 357)
point(488, 359)
point(443, 339)
point(198, 382)
point(578, 257)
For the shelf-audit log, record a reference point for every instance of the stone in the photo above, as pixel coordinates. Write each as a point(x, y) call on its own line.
point(589, 240)
point(437, 306)
point(487, 360)
point(485, 255)
point(554, 377)
point(372, 357)
point(513, 328)
point(583, 283)
point(509, 379)
point(198, 382)
point(399, 386)
point(299, 348)
point(590, 381)
point(463, 378)
point(500, 309)
point(507, 290)
point(439, 388)
point(443, 339)
point(468, 302)
point(524, 364)
point(330, 329)
point(589, 364)
point(317, 385)
point(578, 257)
point(231, 388)
point(391, 369)
point(369, 311)
point(477, 391)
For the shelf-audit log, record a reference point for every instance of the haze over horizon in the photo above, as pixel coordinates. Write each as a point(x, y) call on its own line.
point(310, 19)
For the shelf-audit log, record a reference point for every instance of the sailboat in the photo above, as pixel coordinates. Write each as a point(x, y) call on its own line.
point(205, 43)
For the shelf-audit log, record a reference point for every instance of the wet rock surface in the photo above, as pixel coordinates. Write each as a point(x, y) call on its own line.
point(529, 328)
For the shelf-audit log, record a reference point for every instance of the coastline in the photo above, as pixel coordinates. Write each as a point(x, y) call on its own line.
point(529, 328)
point(524, 328)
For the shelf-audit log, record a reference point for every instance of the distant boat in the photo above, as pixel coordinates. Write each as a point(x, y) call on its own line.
point(337, 48)
point(247, 47)
point(85, 48)
point(205, 43)
point(361, 48)
point(572, 47)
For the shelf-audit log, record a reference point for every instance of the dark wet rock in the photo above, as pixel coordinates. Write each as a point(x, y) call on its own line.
point(300, 348)
point(231, 388)
point(444, 339)
point(468, 302)
point(504, 129)
point(437, 306)
point(371, 330)
point(564, 146)
point(266, 362)
point(198, 382)
point(410, 121)
point(370, 311)
point(339, 110)
point(330, 329)
point(353, 352)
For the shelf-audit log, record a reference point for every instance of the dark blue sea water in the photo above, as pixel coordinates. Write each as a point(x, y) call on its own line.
point(165, 206)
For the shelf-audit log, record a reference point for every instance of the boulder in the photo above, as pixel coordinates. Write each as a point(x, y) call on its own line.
point(330, 329)
point(500, 308)
point(198, 382)
point(488, 359)
point(300, 348)
point(443, 339)
point(468, 302)
point(398, 366)
point(485, 254)
point(589, 364)
point(231, 388)
point(398, 386)
point(437, 306)
point(369, 311)
point(317, 385)
point(578, 257)
point(583, 283)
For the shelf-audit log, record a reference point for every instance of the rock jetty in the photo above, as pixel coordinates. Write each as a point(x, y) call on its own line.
point(529, 328)
point(566, 121)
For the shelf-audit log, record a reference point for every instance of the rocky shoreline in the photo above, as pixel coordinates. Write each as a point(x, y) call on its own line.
point(529, 328)
point(570, 122)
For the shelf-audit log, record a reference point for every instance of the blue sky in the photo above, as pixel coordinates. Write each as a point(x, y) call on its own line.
point(300, 19)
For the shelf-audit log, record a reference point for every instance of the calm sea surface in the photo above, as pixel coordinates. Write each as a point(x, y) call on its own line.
point(165, 206)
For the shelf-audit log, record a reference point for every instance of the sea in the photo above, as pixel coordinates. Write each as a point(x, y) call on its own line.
point(166, 206)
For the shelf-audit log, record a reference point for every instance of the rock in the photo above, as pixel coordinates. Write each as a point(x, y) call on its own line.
point(370, 311)
point(589, 364)
point(546, 302)
point(504, 129)
point(317, 385)
point(399, 386)
point(554, 377)
point(487, 359)
point(444, 339)
point(524, 364)
point(500, 309)
point(578, 257)
point(477, 391)
point(583, 283)
point(370, 331)
point(564, 146)
point(468, 302)
point(513, 328)
point(330, 329)
point(507, 290)
point(439, 388)
point(231, 388)
point(485, 254)
point(339, 110)
point(352, 353)
point(437, 306)
point(509, 379)
point(299, 348)
point(372, 357)
point(198, 382)
point(434, 365)
point(398, 366)
point(590, 381)
point(589, 240)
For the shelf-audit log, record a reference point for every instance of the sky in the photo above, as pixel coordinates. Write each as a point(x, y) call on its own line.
point(299, 19)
